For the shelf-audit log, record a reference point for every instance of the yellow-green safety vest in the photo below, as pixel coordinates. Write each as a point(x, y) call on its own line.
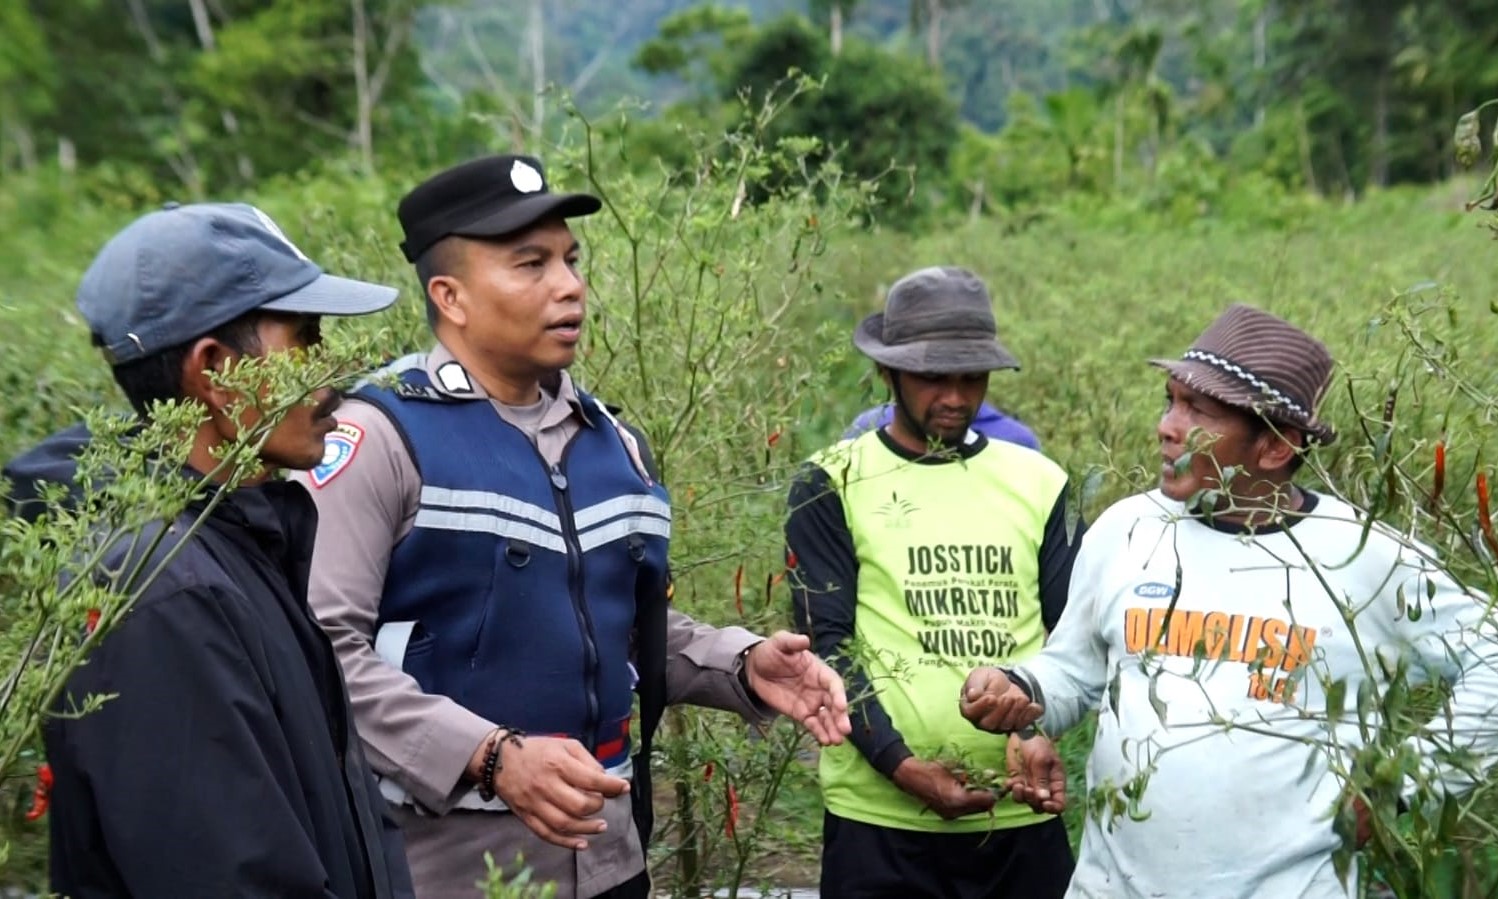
point(948, 580)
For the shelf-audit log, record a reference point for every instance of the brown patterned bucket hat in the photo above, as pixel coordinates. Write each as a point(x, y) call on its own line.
point(1252, 360)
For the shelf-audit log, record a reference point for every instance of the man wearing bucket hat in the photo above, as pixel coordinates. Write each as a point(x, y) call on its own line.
point(917, 551)
point(492, 564)
point(990, 421)
point(1222, 615)
point(224, 762)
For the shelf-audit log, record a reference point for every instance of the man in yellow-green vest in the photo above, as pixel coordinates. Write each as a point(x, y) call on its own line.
point(917, 550)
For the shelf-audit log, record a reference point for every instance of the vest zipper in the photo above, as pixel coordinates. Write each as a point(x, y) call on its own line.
point(579, 605)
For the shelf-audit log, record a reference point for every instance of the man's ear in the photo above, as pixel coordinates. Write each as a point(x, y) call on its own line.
point(446, 293)
point(205, 358)
point(1278, 447)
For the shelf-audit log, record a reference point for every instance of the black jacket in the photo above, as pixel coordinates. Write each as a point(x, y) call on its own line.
point(226, 764)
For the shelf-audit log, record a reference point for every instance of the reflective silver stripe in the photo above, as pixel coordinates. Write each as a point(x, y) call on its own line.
point(470, 801)
point(483, 500)
point(391, 640)
point(623, 505)
point(623, 527)
point(482, 511)
point(484, 523)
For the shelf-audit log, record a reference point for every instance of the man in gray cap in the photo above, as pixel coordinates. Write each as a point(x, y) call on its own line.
point(1219, 613)
point(225, 762)
point(925, 548)
point(492, 565)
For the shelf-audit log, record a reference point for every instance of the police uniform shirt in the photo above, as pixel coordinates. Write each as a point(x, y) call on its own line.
point(367, 493)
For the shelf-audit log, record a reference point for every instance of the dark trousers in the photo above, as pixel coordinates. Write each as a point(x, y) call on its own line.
point(863, 861)
point(637, 887)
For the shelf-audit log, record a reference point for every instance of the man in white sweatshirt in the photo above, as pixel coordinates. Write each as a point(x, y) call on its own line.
point(1224, 627)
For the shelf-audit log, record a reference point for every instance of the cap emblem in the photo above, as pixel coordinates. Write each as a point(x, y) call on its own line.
point(526, 179)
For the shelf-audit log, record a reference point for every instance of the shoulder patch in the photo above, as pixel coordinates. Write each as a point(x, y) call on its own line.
point(339, 448)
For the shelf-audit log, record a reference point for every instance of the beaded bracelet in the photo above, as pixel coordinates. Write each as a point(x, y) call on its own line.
point(492, 763)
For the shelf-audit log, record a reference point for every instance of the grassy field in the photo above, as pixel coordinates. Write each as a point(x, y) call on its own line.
point(1082, 302)
point(1083, 299)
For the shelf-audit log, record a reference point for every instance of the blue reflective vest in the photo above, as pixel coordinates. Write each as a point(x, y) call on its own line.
point(522, 577)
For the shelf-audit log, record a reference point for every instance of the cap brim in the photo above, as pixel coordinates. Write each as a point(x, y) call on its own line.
point(332, 295)
point(1208, 380)
point(934, 356)
point(523, 213)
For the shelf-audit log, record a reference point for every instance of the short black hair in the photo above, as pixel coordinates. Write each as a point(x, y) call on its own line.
point(441, 258)
point(158, 377)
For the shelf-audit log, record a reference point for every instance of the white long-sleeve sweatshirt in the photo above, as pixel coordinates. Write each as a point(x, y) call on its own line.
point(1227, 712)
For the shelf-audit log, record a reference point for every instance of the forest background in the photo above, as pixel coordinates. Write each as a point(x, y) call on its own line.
point(1118, 170)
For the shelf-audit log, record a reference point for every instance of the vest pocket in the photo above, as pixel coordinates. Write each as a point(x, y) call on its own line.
point(421, 645)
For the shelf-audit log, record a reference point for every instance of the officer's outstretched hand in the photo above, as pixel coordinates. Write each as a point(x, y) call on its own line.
point(557, 788)
point(1037, 777)
point(991, 702)
point(789, 678)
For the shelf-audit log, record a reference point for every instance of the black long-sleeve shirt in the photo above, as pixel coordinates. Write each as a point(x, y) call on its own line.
point(825, 574)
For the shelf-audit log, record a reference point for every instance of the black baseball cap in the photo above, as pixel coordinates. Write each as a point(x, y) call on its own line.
point(488, 197)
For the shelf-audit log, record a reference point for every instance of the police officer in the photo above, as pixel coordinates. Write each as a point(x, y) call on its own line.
point(491, 564)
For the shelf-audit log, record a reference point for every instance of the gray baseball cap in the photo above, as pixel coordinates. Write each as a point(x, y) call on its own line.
point(178, 273)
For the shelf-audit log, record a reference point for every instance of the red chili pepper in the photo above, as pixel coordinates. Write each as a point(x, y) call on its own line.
point(731, 821)
point(1439, 482)
point(738, 590)
point(91, 621)
point(773, 439)
point(1484, 515)
point(707, 772)
point(41, 797)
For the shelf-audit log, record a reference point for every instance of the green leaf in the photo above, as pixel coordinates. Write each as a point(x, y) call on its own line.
point(1156, 702)
point(1367, 701)
point(1450, 813)
point(1336, 700)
